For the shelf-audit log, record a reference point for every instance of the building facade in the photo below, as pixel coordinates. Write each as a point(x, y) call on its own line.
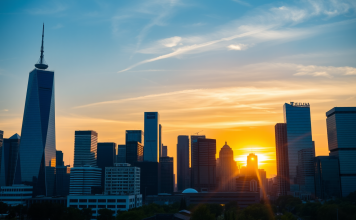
point(2, 171)
point(134, 152)
point(121, 153)
point(183, 176)
point(85, 180)
point(10, 152)
point(164, 151)
point(167, 175)
point(152, 137)
point(306, 170)
point(134, 135)
point(150, 183)
point(16, 194)
point(85, 148)
point(341, 123)
point(59, 158)
point(282, 158)
point(122, 179)
point(227, 170)
point(106, 157)
point(62, 180)
point(327, 177)
point(204, 165)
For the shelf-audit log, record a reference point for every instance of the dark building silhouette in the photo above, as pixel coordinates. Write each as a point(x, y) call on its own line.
point(247, 184)
point(167, 177)
point(282, 158)
point(134, 135)
point(62, 180)
point(327, 179)
point(152, 141)
point(10, 152)
point(106, 157)
point(183, 174)
point(164, 151)
point(85, 148)
point(2, 179)
point(204, 164)
point(121, 153)
point(59, 158)
point(150, 178)
point(38, 137)
point(341, 127)
point(227, 170)
point(306, 170)
point(134, 152)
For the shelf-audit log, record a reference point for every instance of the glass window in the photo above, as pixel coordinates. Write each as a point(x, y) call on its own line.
point(121, 200)
point(73, 200)
point(121, 206)
point(82, 206)
point(102, 200)
point(111, 206)
point(101, 206)
point(92, 200)
point(92, 206)
point(82, 200)
point(111, 200)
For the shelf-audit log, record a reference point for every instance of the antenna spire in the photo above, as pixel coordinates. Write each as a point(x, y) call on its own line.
point(41, 64)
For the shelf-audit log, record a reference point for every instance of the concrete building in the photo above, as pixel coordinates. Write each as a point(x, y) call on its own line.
point(16, 194)
point(183, 174)
point(152, 137)
point(122, 179)
point(341, 124)
point(85, 148)
point(85, 180)
point(227, 170)
point(282, 159)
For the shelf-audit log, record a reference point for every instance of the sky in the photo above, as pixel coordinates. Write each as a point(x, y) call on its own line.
point(222, 68)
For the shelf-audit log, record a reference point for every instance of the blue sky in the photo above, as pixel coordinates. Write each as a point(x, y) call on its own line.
point(218, 66)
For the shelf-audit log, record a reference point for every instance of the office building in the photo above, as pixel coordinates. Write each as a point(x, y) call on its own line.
point(341, 124)
point(85, 148)
point(62, 180)
point(327, 177)
point(116, 203)
point(160, 140)
point(164, 151)
point(247, 184)
point(167, 178)
point(122, 179)
point(16, 194)
point(282, 158)
point(150, 178)
point(306, 171)
point(2, 173)
point(152, 137)
point(262, 178)
point(299, 136)
point(183, 174)
point(204, 165)
point(85, 180)
point(10, 152)
point(134, 135)
point(227, 170)
point(106, 157)
point(134, 152)
point(38, 136)
point(59, 158)
point(121, 153)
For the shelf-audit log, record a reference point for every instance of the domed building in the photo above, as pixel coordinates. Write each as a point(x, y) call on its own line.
point(227, 169)
point(189, 190)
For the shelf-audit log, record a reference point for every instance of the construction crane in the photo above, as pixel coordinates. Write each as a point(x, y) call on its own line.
point(198, 132)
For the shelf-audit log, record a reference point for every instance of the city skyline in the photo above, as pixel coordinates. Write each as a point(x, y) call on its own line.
point(224, 87)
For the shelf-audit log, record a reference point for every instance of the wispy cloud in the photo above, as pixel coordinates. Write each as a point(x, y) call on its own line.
point(325, 71)
point(237, 47)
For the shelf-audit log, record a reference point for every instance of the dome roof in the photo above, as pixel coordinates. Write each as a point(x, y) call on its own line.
point(226, 146)
point(190, 190)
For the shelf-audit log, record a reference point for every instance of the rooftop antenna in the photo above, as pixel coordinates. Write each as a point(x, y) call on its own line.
point(41, 64)
point(198, 132)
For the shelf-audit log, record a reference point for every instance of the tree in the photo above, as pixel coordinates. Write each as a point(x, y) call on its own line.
point(215, 209)
point(256, 211)
point(87, 213)
point(105, 214)
point(183, 204)
point(202, 213)
point(3, 208)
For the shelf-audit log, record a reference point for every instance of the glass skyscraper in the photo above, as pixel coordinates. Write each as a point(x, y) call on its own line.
point(10, 152)
point(85, 148)
point(299, 136)
point(106, 157)
point(151, 146)
point(341, 127)
point(327, 179)
point(121, 153)
point(183, 177)
point(282, 159)
point(134, 135)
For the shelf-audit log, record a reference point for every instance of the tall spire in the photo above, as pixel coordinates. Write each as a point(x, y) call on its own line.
point(41, 64)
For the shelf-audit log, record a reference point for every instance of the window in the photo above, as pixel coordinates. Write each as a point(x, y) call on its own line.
point(102, 200)
point(73, 200)
point(121, 200)
point(101, 206)
point(121, 206)
point(92, 206)
point(73, 206)
point(92, 200)
point(82, 206)
point(111, 206)
point(82, 200)
point(111, 200)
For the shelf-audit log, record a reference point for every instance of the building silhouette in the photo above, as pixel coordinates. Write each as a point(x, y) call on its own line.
point(9, 160)
point(227, 170)
point(122, 179)
point(134, 135)
point(341, 124)
point(106, 157)
point(167, 177)
point(152, 137)
point(327, 179)
point(183, 174)
point(62, 180)
point(2, 171)
point(160, 140)
point(134, 152)
point(164, 151)
point(204, 165)
point(121, 153)
point(306, 170)
point(85, 180)
point(150, 183)
point(85, 148)
point(59, 158)
point(282, 158)
point(38, 137)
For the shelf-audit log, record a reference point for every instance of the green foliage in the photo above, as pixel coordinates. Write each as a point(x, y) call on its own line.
point(147, 211)
point(105, 214)
point(202, 212)
point(287, 203)
point(256, 211)
point(183, 204)
point(3, 208)
point(286, 216)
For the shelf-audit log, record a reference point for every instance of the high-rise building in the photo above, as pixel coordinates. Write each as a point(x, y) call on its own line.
point(134, 135)
point(327, 179)
point(121, 153)
point(306, 171)
point(204, 165)
point(62, 180)
point(160, 140)
point(341, 124)
point(183, 174)
point(106, 157)
point(10, 152)
point(38, 137)
point(167, 178)
point(299, 136)
point(122, 179)
point(150, 178)
point(2, 178)
point(85, 180)
point(134, 152)
point(282, 158)
point(227, 169)
point(85, 148)
point(164, 151)
point(152, 137)
point(247, 184)
point(59, 158)
point(262, 178)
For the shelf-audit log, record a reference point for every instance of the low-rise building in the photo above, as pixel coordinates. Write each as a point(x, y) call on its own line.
point(123, 179)
point(16, 194)
point(85, 180)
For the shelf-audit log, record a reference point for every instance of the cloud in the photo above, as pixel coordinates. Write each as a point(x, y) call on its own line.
point(171, 42)
point(242, 2)
point(6, 110)
point(237, 47)
point(325, 71)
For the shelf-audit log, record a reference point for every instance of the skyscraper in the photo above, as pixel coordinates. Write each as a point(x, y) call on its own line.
point(160, 140)
point(85, 148)
point(134, 152)
point(85, 180)
point(167, 178)
point(204, 165)
point(134, 135)
point(152, 137)
point(341, 124)
point(10, 152)
point(106, 157)
point(227, 169)
point(62, 180)
point(121, 153)
point(306, 170)
point(183, 176)
point(59, 158)
point(299, 136)
point(2, 173)
point(327, 179)
point(150, 183)
point(164, 151)
point(38, 136)
point(282, 158)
